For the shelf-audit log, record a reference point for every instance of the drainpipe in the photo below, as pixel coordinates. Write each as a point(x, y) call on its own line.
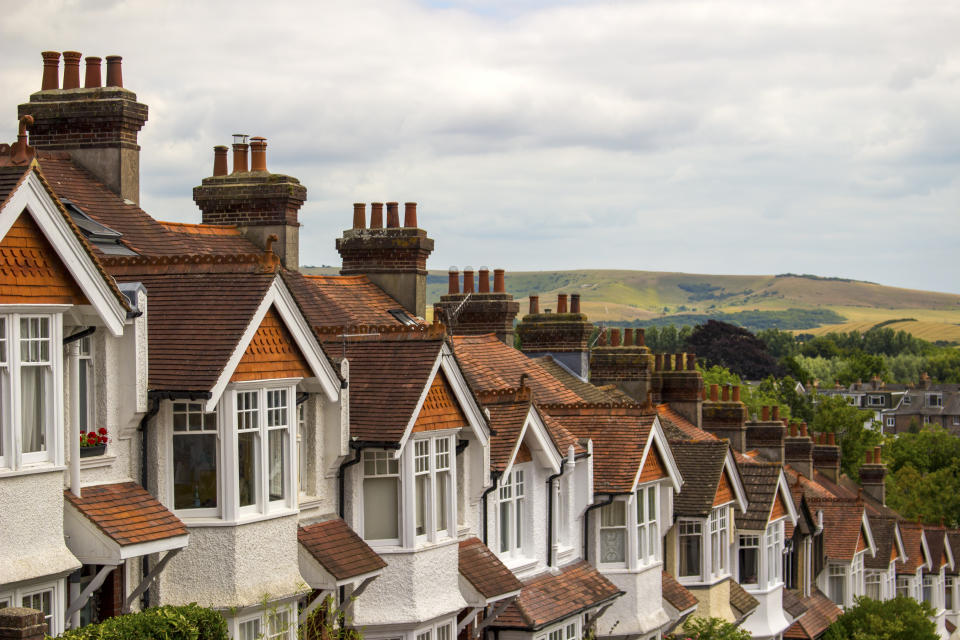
point(586, 518)
point(74, 358)
point(495, 476)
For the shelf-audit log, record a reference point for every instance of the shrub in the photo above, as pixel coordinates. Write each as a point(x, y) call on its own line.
point(187, 622)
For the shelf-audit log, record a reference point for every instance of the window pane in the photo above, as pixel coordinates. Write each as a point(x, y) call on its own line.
point(84, 395)
point(421, 487)
point(247, 456)
point(3, 340)
point(194, 471)
point(276, 441)
point(33, 418)
point(443, 480)
point(505, 526)
point(443, 632)
point(278, 624)
point(749, 565)
point(689, 549)
point(380, 508)
point(518, 517)
point(250, 630)
point(641, 512)
point(652, 503)
point(612, 545)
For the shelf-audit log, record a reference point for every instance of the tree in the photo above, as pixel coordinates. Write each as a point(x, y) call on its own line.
point(898, 619)
point(734, 348)
point(833, 414)
point(713, 629)
point(931, 497)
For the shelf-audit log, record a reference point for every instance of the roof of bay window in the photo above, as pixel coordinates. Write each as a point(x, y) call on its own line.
point(821, 613)
point(742, 603)
point(126, 513)
point(338, 549)
point(679, 597)
point(484, 570)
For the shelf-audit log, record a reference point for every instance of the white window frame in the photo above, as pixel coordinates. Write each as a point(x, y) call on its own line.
point(263, 619)
point(685, 528)
point(513, 499)
point(873, 578)
point(956, 421)
point(566, 630)
point(434, 631)
point(646, 516)
point(12, 456)
point(934, 400)
point(890, 582)
point(608, 525)
point(857, 576)
point(749, 541)
point(929, 581)
point(773, 554)
point(719, 528)
point(841, 571)
point(57, 607)
point(88, 373)
point(193, 408)
point(301, 446)
point(903, 587)
point(377, 459)
point(891, 421)
point(949, 603)
point(435, 458)
point(926, 419)
point(876, 401)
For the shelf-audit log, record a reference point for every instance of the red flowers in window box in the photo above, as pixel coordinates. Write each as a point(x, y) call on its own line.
point(94, 438)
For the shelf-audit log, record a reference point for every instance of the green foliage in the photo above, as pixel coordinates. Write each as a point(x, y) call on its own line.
point(898, 619)
point(734, 348)
point(712, 629)
point(752, 320)
point(187, 622)
point(833, 414)
point(770, 392)
point(924, 474)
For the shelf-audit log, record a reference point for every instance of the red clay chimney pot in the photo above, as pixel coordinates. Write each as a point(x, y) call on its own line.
point(498, 284)
point(832, 439)
point(51, 70)
point(220, 160)
point(453, 284)
point(657, 361)
point(793, 429)
point(114, 71)
point(71, 69)
point(410, 214)
point(803, 429)
point(736, 393)
point(641, 338)
point(561, 303)
point(877, 459)
point(678, 362)
point(602, 339)
point(359, 215)
point(715, 392)
point(376, 216)
point(627, 337)
point(691, 362)
point(765, 413)
point(614, 337)
point(467, 277)
point(726, 393)
point(393, 215)
point(534, 304)
point(483, 280)
point(574, 303)
point(240, 164)
point(258, 153)
point(92, 78)
point(775, 413)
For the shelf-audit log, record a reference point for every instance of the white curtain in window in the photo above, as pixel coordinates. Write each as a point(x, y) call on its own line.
point(278, 454)
point(32, 414)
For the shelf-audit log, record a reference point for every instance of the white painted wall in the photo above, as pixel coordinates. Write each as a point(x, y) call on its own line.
point(640, 610)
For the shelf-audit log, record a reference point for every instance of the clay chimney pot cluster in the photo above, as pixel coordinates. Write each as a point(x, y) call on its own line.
point(562, 303)
point(71, 71)
point(483, 280)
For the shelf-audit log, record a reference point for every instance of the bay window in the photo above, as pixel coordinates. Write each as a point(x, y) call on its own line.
point(773, 541)
point(872, 585)
point(719, 536)
point(856, 576)
point(263, 424)
point(433, 499)
point(512, 512)
point(381, 495)
point(690, 540)
point(903, 587)
point(648, 533)
point(749, 560)
point(273, 624)
point(568, 631)
point(195, 459)
point(613, 532)
point(837, 583)
point(948, 603)
point(928, 591)
point(45, 597)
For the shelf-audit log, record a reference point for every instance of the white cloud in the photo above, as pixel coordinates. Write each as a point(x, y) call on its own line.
point(743, 136)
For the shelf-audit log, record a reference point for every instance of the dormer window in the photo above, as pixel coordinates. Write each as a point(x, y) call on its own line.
point(876, 401)
point(934, 400)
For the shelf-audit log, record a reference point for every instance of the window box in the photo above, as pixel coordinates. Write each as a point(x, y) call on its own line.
point(92, 451)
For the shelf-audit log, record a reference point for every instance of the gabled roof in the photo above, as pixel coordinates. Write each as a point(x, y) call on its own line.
point(332, 301)
point(513, 418)
point(589, 392)
point(821, 613)
point(940, 553)
point(915, 544)
point(126, 513)
point(702, 464)
point(886, 535)
point(484, 570)
point(677, 595)
point(550, 597)
point(679, 428)
point(953, 541)
point(845, 527)
point(764, 482)
point(793, 604)
point(742, 603)
point(339, 550)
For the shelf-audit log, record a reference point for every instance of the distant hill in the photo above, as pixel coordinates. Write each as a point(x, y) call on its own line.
point(788, 301)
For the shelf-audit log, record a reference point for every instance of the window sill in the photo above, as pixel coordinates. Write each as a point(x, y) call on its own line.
point(422, 546)
point(564, 552)
point(97, 461)
point(32, 469)
point(305, 501)
point(519, 564)
point(696, 582)
point(220, 522)
point(755, 588)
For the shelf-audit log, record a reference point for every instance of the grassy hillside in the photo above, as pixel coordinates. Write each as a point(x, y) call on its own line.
point(627, 296)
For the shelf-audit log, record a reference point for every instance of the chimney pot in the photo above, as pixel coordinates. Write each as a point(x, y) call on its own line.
point(726, 393)
point(657, 361)
point(92, 78)
point(736, 393)
point(220, 160)
point(51, 70)
point(393, 215)
point(71, 69)
point(715, 392)
point(561, 303)
point(667, 362)
point(410, 214)
point(627, 337)
point(240, 153)
point(678, 362)
point(376, 217)
point(114, 71)
point(483, 280)
point(534, 305)
point(876, 455)
point(793, 429)
point(641, 338)
point(498, 284)
point(832, 439)
point(602, 339)
point(614, 337)
point(868, 457)
point(691, 362)
point(775, 413)
point(453, 286)
point(359, 215)
point(703, 394)
point(467, 277)
point(574, 303)
point(803, 429)
point(258, 153)
point(765, 413)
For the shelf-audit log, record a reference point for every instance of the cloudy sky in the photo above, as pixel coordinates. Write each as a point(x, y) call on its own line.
point(733, 136)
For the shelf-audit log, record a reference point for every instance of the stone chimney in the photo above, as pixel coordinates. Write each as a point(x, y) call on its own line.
point(565, 335)
point(393, 257)
point(628, 365)
point(725, 416)
point(677, 382)
point(481, 311)
point(826, 456)
point(767, 435)
point(261, 204)
point(798, 449)
point(873, 473)
point(97, 125)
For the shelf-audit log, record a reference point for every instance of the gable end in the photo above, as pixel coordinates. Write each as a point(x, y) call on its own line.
point(31, 272)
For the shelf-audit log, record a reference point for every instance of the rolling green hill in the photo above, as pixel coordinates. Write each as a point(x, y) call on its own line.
point(620, 296)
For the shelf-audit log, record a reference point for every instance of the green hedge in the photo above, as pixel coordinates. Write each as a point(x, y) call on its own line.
point(188, 622)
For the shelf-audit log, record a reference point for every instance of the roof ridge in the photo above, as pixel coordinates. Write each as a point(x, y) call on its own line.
point(382, 333)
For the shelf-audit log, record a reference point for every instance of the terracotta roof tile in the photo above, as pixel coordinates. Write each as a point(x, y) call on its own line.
point(912, 534)
point(548, 597)
point(483, 569)
point(675, 593)
point(10, 178)
point(841, 526)
point(339, 549)
point(126, 513)
point(589, 392)
point(676, 427)
point(701, 466)
point(742, 602)
point(329, 301)
point(619, 435)
point(821, 613)
point(507, 420)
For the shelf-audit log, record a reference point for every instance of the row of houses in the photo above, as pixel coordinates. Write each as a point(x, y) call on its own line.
point(275, 443)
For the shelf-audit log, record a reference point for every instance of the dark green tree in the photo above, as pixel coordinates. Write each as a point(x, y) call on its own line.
point(898, 619)
point(713, 629)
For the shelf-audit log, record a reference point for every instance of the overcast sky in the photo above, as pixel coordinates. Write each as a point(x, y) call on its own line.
point(731, 136)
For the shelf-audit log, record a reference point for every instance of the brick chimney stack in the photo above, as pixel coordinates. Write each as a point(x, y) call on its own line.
point(798, 450)
point(767, 435)
point(726, 417)
point(261, 204)
point(478, 312)
point(826, 456)
point(628, 365)
point(563, 335)
point(393, 257)
point(678, 383)
point(873, 474)
point(96, 125)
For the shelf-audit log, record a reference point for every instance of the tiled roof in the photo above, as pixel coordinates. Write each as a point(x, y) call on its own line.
point(333, 301)
point(950, 627)
point(141, 233)
point(387, 378)
point(936, 541)
point(195, 322)
point(912, 534)
point(339, 549)
point(10, 177)
point(675, 593)
point(506, 419)
point(126, 513)
point(676, 427)
point(701, 466)
point(760, 481)
point(841, 526)
point(953, 539)
point(742, 602)
point(793, 603)
point(821, 613)
point(550, 597)
point(884, 538)
point(589, 392)
point(561, 435)
point(489, 364)
point(483, 569)
point(619, 435)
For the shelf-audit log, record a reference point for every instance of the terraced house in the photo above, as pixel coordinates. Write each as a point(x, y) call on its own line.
point(185, 416)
